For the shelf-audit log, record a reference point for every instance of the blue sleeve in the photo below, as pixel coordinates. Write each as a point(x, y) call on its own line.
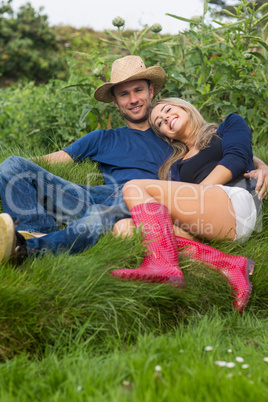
point(236, 145)
point(85, 147)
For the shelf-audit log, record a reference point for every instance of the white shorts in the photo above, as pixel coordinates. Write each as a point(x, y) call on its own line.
point(244, 209)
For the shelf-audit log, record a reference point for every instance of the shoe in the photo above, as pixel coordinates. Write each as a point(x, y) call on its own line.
point(30, 235)
point(161, 261)
point(12, 244)
point(236, 269)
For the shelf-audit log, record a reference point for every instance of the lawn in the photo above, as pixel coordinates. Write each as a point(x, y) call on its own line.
point(71, 332)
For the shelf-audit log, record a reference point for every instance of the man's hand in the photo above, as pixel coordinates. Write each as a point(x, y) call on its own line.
point(261, 175)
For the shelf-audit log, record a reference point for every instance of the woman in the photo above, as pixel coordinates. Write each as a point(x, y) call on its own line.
point(207, 197)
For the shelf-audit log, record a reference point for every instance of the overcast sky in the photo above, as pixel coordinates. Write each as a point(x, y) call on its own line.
point(98, 14)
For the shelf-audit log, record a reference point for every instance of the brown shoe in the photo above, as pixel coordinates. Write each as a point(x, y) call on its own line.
point(12, 244)
point(30, 235)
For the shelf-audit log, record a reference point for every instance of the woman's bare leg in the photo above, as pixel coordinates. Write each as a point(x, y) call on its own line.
point(182, 233)
point(204, 210)
point(188, 205)
point(125, 228)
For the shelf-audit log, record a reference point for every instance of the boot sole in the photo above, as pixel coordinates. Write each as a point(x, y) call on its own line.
point(137, 276)
point(7, 236)
point(251, 266)
point(249, 272)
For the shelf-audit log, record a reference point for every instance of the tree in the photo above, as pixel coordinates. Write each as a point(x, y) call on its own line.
point(28, 46)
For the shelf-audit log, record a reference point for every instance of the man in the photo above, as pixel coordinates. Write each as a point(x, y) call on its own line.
point(37, 201)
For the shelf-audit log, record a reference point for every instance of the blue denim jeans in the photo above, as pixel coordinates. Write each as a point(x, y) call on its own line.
point(39, 201)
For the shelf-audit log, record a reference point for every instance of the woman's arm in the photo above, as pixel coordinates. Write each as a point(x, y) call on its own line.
point(222, 175)
point(236, 145)
point(219, 175)
point(235, 154)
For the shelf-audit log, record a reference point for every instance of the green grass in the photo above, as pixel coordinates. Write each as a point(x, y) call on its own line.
point(70, 331)
point(187, 371)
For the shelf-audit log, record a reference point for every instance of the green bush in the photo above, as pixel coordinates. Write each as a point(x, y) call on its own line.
point(28, 46)
point(223, 70)
point(52, 115)
point(220, 70)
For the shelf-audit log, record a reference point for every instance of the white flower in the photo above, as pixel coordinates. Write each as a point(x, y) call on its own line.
point(245, 366)
point(181, 350)
point(265, 359)
point(208, 348)
point(158, 368)
point(79, 388)
point(239, 359)
point(220, 363)
point(230, 364)
point(229, 351)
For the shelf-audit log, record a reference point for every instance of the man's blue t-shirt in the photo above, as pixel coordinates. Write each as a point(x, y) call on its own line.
point(123, 153)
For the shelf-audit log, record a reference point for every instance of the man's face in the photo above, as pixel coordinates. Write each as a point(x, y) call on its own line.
point(133, 99)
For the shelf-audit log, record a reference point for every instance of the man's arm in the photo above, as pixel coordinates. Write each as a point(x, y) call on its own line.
point(59, 156)
point(83, 148)
point(261, 175)
point(258, 162)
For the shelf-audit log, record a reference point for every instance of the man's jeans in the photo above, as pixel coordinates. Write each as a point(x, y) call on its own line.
point(39, 201)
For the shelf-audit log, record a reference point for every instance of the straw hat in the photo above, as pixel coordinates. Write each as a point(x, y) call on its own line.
point(130, 68)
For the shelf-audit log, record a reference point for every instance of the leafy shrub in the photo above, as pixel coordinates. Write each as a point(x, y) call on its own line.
point(221, 70)
point(28, 46)
point(43, 115)
point(53, 115)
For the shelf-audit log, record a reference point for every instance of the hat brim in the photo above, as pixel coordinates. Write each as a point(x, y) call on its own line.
point(156, 75)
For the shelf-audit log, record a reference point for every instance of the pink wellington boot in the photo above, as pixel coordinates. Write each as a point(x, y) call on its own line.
point(235, 268)
point(161, 261)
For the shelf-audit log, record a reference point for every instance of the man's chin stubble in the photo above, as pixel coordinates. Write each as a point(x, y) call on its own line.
point(137, 121)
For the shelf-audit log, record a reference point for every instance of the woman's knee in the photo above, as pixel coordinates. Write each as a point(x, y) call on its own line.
point(134, 188)
point(130, 188)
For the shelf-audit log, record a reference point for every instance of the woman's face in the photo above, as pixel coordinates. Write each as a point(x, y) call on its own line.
point(171, 121)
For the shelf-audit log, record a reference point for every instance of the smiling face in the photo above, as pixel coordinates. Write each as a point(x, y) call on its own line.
point(133, 99)
point(171, 121)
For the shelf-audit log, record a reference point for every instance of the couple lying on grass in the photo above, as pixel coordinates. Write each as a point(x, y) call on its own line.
point(208, 187)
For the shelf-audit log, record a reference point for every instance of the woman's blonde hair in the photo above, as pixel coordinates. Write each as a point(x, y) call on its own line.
point(201, 133)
